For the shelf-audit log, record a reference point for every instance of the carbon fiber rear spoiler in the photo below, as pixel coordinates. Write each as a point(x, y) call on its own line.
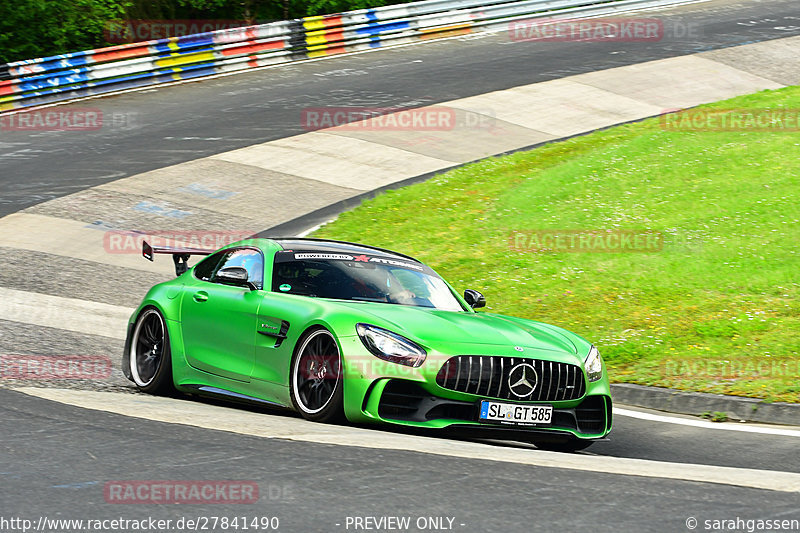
point(180, 255)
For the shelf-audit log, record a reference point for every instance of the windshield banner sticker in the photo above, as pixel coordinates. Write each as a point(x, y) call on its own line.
point(358, 258)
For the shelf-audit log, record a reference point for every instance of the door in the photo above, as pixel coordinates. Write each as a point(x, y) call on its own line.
point(220, 321)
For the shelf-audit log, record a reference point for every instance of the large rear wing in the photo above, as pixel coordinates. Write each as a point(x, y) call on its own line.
point(180, 255)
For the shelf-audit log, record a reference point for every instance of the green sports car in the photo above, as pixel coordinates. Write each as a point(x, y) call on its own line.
point(340, 331)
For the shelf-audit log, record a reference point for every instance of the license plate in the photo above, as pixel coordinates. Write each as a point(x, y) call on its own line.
point(516, 413)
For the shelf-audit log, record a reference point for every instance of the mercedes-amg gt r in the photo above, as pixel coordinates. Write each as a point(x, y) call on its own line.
point(340, 331)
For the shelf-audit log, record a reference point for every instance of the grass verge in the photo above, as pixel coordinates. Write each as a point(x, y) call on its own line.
point(714, 310)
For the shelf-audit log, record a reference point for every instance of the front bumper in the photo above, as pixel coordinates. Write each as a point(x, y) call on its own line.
point(391, 394)
point(397, 401)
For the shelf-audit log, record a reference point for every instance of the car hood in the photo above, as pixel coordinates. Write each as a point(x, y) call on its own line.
point(429, 326)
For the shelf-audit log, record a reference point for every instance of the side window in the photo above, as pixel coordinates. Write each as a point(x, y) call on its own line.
point(248, 258)
point(206, 268)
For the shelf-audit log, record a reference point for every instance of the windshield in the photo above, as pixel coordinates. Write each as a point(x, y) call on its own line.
point(361, 278)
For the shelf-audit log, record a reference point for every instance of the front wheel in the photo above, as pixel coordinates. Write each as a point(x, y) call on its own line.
point(316, 377)
point(149, 357)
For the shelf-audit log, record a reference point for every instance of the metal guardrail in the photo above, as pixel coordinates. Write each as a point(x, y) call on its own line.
point(64, 77)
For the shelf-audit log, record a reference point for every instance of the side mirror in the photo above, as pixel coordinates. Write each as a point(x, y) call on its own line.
point(474, 299)
point(234, 275)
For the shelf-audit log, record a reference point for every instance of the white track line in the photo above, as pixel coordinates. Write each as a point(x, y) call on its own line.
point(71, 314)
point(705, 424)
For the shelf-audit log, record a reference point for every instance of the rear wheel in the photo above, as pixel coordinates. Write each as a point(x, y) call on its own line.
point(149, 357)
point(316, 377)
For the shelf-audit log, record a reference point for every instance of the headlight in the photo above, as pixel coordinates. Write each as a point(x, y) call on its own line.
point(593, 365)
point(390, 346)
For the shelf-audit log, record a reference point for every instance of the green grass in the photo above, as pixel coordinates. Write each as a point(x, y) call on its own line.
point(716, 416)
point(715, 310)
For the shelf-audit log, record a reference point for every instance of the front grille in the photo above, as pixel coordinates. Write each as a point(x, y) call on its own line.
point(489, 376)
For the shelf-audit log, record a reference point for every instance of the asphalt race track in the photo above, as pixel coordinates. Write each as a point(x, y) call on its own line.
point(316, 486)
point(56, 459)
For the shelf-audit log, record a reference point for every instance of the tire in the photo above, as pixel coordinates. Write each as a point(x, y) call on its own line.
point(150, 358)
point(316, 377)
point(569, 446)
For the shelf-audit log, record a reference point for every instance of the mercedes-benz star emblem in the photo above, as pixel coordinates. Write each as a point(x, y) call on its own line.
point(522, 380)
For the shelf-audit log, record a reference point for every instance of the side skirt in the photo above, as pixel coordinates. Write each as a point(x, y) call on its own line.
point(216, 392)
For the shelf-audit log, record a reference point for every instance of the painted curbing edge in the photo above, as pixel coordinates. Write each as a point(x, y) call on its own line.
point(697, 403)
